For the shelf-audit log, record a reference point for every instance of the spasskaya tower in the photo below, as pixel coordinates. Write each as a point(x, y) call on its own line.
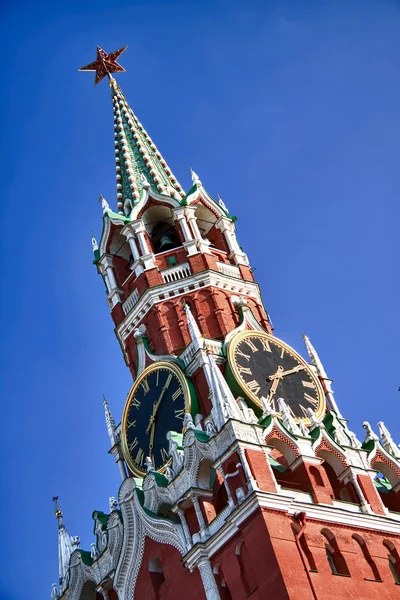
point(240, 476)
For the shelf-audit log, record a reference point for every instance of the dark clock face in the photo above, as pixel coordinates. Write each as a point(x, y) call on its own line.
point(266, 367)
point(156, 404)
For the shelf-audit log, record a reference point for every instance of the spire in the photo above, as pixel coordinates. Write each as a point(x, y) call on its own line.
point(224, 405)
point(316, 361)
point(65, 548)
point(139, 164)
point(109, 422)
point(194, 331)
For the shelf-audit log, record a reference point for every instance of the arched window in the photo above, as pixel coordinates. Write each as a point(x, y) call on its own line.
point(368, 558)
point(394, 560)
point(316, 476)
point(223, 588)
point(246, 570)
point(334, 557)
point(156, 575)
point(89, 592)
point(304, 548)
point(164, 237)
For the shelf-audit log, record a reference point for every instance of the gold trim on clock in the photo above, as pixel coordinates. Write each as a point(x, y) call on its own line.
point(320, 411)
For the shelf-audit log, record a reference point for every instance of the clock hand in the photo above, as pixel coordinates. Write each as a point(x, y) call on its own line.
point(275, 382)
point(282, 373)
point(155, 408)
point(151, 444)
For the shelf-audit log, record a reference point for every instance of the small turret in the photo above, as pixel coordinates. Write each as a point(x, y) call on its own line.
point(116, 449)
point(65, 550)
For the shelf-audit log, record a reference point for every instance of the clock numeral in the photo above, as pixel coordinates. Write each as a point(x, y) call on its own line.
point(265, 345)
point(133, 445)
point(311, 400)
point(176, 394)
point(283, 352)
point(164, 455)
point(139, 457)
point(145, 386)
point(158, 373)
point(131, 423)
point(308, 384)
point(240, 353)
point(179, 414)
point(135, 402)
point(253, 385)
point(169, 379)
point(252, 345)
point(304, 411)
point(243, 370)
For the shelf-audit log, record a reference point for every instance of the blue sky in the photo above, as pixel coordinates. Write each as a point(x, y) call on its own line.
point(288, 110)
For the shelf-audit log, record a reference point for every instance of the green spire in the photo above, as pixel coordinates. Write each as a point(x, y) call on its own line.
point(138, 162)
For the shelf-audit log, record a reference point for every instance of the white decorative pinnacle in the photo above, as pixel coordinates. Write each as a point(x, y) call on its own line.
point(149, 465)
point(222, 204)
point(387, 441)
point(194, 331)
point(225, 406)
point(145, 182)
point(112, 503)
point(370, 435)
point(287, 419)
point(95, 245)
point(65, 549)
point(54, 592)
point(104, 204)
point(195, 178)
point(110, 423)
point(314, 422)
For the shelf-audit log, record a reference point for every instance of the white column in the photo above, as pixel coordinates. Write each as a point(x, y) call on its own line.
point(185, 527)
point(226, 226)
point(208, 579)
point(108, 270)
point(199, 515)
point(132, 244)
point(147, 256)
point(228, 489)
point(189, 244)
point(365, 507)
point(251, 482)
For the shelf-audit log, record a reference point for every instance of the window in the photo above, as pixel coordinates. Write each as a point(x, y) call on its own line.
point(304, 548)
point(334, 557)
point(394, 560)
point(373, 570)
point(246, 570)
point(156, 575)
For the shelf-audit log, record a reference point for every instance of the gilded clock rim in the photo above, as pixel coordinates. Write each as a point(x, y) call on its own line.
point(261, 334)
point(186, 392)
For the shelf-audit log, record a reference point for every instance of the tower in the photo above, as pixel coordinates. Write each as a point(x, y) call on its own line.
point(240, 476)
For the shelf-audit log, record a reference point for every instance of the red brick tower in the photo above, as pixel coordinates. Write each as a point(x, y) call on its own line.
point(240, 476)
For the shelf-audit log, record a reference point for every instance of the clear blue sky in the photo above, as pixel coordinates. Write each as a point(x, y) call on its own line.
point(289, 110)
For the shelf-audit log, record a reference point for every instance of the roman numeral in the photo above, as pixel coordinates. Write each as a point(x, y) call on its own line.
point(265, 345)
point(243, 370)
point(133, 445)
point(135, 402)
point(308, 384)
point(303, 410)
point(253, 385)
point(252, 345)
point(164, 455)
point(131, 424)
point(240, 353)
point(158, 373)
point(179, 413)
point(139, 457)
point(176, 394)
point(311, 400)
point(145, 386)
point(283, 352)
point(169, 378)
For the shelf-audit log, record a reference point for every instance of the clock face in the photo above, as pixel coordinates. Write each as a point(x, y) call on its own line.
point(156, 404)
point(266, 367)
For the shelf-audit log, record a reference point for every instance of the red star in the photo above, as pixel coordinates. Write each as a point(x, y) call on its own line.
point(105, 64)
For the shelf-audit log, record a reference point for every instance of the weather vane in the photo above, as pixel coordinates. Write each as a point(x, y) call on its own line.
point(105, 64)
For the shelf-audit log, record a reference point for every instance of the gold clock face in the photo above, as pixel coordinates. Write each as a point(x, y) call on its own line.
point(264, 366)
point(156, 404)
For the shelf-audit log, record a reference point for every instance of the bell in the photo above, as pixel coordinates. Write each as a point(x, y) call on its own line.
point(166, 243)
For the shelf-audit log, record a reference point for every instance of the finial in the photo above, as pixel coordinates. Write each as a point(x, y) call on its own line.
point(105, 64)
point(104, 204)
point(195, 177)
point(57, 511)
point(222, 204)
point(145, 181)
point(95, 245)
point(370, 436)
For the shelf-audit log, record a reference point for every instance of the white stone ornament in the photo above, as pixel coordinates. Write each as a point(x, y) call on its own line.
point(222, 204)
point(177, 457)
point(249, 415)
point(268, 411)
point(148, 463)
point(95, 245)
point(54, 592)
point(104, 204)
point(195, 177)
point(188, 421)
point(287, 418)
point(93, 551)
point(112, 503)
point(387, 441)
point(370, 435)
point(169, 474)
point(145, 182)
point(303, 428)
point(140, 331)
point(314, 422)
point(75, 541)
point(210, 428)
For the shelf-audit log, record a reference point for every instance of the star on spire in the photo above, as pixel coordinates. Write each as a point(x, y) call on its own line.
point(105, 64)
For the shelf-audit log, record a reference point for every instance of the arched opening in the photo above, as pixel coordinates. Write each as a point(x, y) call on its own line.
point(156, 575)
point(334, 557)
point(280, 457)
point(164, 237)
point(304, 548)
point(340, 490)
point(220, 493)
point(316, 477)
point(223, 588)
point(121, 253)
point(373, 572)
point(393, 559)
point(89, 592)
point(385, 480)
point(206, 223)
point(246, 569)
point(205, 475)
